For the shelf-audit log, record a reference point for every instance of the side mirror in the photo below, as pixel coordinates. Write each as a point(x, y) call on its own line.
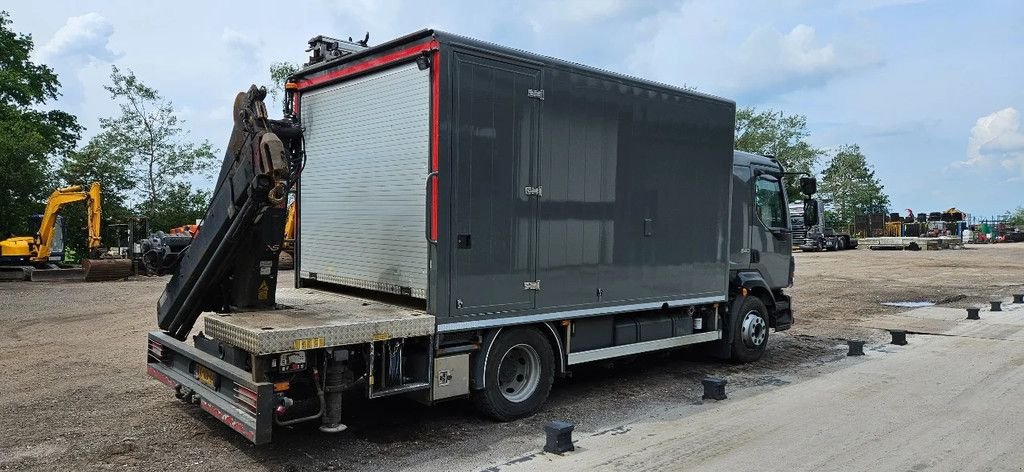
point(808, 186)
point(810, 212)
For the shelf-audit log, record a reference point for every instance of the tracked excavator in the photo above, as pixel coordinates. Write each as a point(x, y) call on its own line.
point(29, 257)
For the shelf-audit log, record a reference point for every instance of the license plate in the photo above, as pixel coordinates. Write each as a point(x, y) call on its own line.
point(206, 376)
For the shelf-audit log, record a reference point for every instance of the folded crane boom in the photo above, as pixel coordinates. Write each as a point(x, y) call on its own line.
point(232, 263)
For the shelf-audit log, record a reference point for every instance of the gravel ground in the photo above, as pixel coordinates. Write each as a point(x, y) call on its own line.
point(76, 397)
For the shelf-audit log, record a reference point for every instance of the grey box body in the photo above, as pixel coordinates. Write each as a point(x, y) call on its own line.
point(608, 193)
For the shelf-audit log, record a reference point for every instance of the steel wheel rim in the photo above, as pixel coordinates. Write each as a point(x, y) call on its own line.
point(754, 329)
point(519, 373)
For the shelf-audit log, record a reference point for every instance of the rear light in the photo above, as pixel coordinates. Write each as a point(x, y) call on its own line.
point(246, 397)
point(158, 352)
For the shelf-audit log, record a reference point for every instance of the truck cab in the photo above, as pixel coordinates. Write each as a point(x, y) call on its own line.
point(761, 260)
point(813, 234)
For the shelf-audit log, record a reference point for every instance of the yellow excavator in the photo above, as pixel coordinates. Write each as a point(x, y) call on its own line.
point(286, 259)
point(28, 257)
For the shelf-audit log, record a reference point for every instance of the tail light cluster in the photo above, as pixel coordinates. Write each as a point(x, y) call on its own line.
point(158, 352)
point(246, 397)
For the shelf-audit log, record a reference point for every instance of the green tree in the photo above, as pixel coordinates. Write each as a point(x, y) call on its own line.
point(148, 142)
point(279, 72)
point(1016, 217)
point(184, 205)
point(95, 163)
point(29, 137)
point(849, 183)
point(773, 133)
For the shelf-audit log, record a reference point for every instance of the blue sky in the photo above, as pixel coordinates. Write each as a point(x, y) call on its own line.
point(933, 91)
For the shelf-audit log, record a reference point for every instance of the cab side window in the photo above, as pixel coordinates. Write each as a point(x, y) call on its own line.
point(769, 202)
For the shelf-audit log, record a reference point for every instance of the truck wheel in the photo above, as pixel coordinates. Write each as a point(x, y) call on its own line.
point(518, 372)
point(749, 330)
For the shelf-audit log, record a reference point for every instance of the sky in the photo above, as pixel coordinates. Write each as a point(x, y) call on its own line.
point(932, 91)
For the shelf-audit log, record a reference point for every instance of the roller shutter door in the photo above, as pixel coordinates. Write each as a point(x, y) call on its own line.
point(362, 190)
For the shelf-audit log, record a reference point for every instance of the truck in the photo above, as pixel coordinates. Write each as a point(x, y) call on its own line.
point(471, 220)
point(817, 235)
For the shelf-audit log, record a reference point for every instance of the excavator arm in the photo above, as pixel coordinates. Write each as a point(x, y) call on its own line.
point(58, 199)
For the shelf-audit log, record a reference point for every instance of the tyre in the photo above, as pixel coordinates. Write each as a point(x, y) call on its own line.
point(749, 330)
point(518, 372)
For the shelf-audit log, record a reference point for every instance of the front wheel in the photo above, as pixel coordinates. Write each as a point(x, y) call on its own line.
point(749, 330)
point(518, 374)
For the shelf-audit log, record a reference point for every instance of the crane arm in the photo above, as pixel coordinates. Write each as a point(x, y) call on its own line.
point(58, 200)
point(232, 263)
point(95, 216)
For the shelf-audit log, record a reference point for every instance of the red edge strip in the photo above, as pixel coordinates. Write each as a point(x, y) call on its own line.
point(216, 412)
point(435, 133)
point(156, 374)
point(369, 65)
point(435, 102)
point(228, 420)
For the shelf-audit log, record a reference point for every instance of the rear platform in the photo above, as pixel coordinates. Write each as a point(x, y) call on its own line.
point(328, 319)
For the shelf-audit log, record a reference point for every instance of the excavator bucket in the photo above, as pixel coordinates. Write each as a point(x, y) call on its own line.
point(98, 270)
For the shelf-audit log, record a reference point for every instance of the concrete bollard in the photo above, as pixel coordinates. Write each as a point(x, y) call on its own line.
point(899, 337)
point(1018, 298)
point(714, 388)
point(559, 437)
point(997, 305)
point(972, 313)
point(856, 347)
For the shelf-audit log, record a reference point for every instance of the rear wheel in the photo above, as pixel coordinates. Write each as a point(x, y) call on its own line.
point(519, 371)
point(749, 330)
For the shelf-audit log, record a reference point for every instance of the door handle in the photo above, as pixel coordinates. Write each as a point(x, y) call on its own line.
point(429, 207)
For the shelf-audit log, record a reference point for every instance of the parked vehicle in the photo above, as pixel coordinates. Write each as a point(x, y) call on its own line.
point(817, 236)
point(472, 220)
point(37, 257)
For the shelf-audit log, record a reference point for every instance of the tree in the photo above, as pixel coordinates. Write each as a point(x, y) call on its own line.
point(1016, 217)
point(851, 186)
point(773, 133)
point(147, 140)
point(185, 206)
point(95, 163)
point(28, 137)
point(279, 72)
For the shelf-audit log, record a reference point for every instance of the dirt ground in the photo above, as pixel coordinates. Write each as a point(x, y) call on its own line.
point(75, 395)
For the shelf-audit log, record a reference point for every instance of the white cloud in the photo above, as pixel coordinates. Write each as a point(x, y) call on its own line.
point(770, 60)
point(997, 138)
point(82, 39)
point(734, 49)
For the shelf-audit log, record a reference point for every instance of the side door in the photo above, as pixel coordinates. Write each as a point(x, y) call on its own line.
point(771, 241)
point(494, 220)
